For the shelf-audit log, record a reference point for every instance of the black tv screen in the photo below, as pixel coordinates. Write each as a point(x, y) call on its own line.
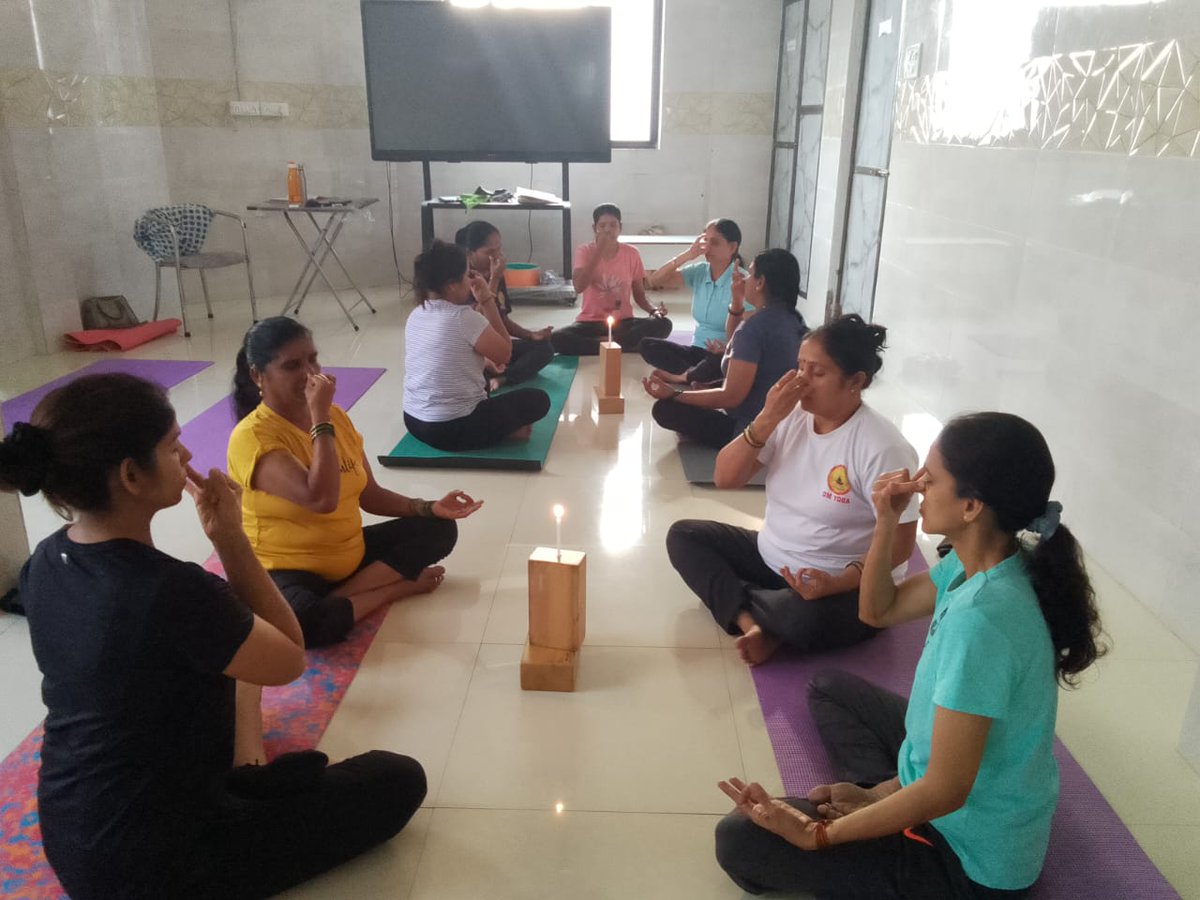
point(446, 83)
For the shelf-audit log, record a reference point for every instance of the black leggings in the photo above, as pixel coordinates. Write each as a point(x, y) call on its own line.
point(240, 846)
point(407, 545)
point(700, 366)
point(493, 420)
point(862, 727)
point(583, 338)
point(528, 358)
point(722, 566)
point(710, 427)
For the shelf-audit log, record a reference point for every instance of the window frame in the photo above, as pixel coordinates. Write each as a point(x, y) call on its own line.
point(652, 143)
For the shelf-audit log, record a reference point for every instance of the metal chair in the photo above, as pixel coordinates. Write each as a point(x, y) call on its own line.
point(174, 237)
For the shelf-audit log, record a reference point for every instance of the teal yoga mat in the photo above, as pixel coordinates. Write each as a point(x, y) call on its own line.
point(525, 456)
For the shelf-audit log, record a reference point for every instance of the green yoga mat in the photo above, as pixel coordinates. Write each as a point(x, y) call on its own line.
point(525, 456)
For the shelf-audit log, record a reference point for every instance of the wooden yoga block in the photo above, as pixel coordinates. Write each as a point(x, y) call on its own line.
point(608, 391)
point(557, 619)
point(557, 598)
point(545, 669)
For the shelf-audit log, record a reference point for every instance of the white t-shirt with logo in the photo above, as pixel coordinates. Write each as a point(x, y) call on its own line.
point(819, 512)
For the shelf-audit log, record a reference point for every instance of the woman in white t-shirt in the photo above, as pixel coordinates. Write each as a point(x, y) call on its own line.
point(448, 339)
point(795, 582)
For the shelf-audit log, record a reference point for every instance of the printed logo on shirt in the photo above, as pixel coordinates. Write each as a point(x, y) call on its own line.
point(838, 480)
point(348, 464)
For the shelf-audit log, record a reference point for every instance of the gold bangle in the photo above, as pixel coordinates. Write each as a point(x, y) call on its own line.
point(321, 428)
point(754, 442)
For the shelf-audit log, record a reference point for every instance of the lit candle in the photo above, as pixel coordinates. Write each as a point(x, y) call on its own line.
point(610, 324)
point(558, 516)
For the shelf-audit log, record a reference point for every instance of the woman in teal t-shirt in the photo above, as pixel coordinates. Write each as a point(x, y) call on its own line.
point(950, 794)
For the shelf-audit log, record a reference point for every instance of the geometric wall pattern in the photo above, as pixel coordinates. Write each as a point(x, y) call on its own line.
point(1137, 100)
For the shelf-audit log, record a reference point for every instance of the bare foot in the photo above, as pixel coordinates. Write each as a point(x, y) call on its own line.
point(756, 646)
point(521, 434)
point(667, 377)
point(429, 580)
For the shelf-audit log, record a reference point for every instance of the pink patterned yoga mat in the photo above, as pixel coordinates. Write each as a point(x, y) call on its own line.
point(295, 715)
point(1092, 853)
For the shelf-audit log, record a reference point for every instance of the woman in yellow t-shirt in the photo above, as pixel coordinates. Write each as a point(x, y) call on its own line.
point(305, 484)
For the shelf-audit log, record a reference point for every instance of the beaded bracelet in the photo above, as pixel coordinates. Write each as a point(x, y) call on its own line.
point(321, 428)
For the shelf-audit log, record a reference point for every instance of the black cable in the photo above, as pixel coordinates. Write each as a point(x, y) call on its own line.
point(392, 231)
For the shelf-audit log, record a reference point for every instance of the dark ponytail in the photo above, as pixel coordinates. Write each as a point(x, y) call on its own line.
point(79, 433)
point(853, 344)
point(440, 265)
point(1003, 461)
point(261, 344)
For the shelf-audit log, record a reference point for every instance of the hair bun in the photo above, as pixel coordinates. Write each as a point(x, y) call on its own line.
point(25, 459)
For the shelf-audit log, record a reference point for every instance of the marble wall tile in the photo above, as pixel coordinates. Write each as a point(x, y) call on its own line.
point(742, 113)
point(788, 91)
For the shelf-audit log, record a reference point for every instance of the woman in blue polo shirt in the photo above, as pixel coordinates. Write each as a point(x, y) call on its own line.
point(964, 781)
point(707, 267)
point(760, 349)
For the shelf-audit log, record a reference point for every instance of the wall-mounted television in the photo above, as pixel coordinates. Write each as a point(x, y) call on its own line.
point(454, 84)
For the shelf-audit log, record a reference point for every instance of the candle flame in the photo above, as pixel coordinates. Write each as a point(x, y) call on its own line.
point(558, 511)
point(610, 321)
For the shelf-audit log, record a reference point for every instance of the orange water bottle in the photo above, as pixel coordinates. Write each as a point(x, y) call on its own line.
point(296, 188)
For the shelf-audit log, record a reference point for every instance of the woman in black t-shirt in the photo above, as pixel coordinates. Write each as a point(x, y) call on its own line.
point(142, 790)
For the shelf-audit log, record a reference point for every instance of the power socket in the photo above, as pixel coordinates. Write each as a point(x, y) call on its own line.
point(244, 108)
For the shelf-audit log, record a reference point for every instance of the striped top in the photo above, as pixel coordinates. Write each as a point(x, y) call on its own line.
point(443, 375)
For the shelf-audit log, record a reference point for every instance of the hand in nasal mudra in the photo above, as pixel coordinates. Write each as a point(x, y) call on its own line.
point(892, 492)
point(497, 270)
point(783, 396)
point(218, 500)
point(318, 394)
point(775, 815)
point(737, 285)
point(455, 505)
point(479, 287)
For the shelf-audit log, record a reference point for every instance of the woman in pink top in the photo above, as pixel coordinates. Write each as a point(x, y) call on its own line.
point(608, 274)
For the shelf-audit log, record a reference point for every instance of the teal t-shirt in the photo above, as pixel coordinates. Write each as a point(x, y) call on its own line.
point(710, 300)
point(988, 653)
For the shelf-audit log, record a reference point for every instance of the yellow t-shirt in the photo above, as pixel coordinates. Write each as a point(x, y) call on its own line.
point(283, 534)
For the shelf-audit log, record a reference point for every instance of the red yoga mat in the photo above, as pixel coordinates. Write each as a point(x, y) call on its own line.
point(120, 338)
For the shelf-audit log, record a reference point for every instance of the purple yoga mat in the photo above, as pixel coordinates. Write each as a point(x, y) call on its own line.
point(167, 372)
point(1092, 853)
point(207, 435)
point(681, 337)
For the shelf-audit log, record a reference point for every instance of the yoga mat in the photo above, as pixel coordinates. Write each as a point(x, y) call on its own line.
point(295, 715)
point(681, 337)
point(1092, 853)
point(207, 435)
point(528, 456)
point(117, 339)
point(700, 461)
point(167, 372)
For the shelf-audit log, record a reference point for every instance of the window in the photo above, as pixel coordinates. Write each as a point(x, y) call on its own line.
point(637, 27)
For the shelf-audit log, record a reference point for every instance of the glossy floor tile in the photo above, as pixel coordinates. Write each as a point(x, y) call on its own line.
point(664, 708)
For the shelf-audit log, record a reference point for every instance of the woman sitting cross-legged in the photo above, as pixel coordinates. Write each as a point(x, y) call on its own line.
point(760, 350)
point(952, 793)
point(306, 482)
point(608, 275)
point(144, 789)
point(796, 581)
point(707, 267)
point(448, 340)
point(531, 350)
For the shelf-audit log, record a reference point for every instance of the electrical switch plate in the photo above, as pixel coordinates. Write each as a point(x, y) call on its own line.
point(243, 108)
point(277, 110)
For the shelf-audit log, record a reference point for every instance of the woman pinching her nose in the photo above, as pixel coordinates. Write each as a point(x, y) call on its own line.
point(306, 482)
